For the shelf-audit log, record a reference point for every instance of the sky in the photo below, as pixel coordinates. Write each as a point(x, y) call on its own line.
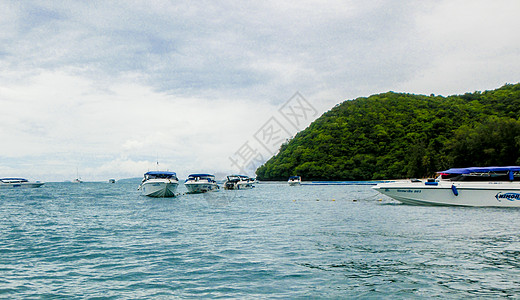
point(112, 89)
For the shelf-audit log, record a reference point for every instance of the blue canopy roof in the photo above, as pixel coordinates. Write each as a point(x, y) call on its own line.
point(160, 173)
point(201, 175)
point(481, 170)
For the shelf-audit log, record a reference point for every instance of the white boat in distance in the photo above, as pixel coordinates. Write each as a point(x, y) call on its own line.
point(77, 179)
point(475, 186)
point(239, 182)
point(201, 183)
point(294, 180)
point(159, 184)
point(6, 183)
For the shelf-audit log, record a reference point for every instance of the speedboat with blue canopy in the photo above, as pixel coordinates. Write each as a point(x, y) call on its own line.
point(159, 184)
point(8, 183)
point(474, 186)
point(200, 183)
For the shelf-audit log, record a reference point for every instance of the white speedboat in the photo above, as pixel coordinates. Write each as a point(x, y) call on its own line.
point(294, 180)
point(239, 182)
point(6, 183)
point(476, 186)
point(201, 183)
point(159, 184)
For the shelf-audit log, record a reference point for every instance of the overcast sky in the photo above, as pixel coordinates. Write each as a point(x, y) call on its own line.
point(107, 88)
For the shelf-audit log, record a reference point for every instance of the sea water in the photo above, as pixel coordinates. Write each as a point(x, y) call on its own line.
point(91, 240)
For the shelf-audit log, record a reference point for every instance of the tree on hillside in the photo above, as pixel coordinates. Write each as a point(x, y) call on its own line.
point(397, 135)
point(494, 142)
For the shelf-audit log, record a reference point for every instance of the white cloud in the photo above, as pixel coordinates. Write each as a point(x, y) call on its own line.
point(58, 114)
point(468, 46)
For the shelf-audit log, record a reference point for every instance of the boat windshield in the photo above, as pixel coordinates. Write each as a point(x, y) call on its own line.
point(202, 177)
point(160, 175)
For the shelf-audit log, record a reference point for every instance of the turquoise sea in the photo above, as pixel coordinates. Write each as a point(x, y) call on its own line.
point(101, 240)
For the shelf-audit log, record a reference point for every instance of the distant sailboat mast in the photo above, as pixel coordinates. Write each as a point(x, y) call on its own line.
point(78, 179)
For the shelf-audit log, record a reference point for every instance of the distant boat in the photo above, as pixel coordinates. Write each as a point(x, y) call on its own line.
point(111, 180)
point(476, 186)
point(239, 182)
point(6, 183)
point(159, 184)
point(201, 183)
point(78, 179)
point(294, 180)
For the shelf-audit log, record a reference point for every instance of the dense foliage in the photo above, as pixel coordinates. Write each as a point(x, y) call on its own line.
point(395, 135)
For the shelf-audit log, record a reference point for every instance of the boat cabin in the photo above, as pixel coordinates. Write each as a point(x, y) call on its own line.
point(13, 180)
point(160, 175)
point(510, 173)
point(201, 177)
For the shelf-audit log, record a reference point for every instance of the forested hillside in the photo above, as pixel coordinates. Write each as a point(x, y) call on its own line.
point(396, 135)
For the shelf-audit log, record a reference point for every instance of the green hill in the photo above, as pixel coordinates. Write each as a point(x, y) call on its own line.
point(396, 135)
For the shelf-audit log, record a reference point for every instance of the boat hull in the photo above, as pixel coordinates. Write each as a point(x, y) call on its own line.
point(25, 185)
point(478, 194)
point(200, 187)
point(159, 189)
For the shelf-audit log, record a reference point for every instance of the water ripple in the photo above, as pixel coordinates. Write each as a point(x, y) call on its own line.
point(97, 240)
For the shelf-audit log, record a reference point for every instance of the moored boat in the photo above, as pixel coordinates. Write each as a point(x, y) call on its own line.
point(239, 182)
point(475, 186)
point(77, 179)
point(294, 180)
point(159, 184)
point(6, 183)
point(200, 183)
